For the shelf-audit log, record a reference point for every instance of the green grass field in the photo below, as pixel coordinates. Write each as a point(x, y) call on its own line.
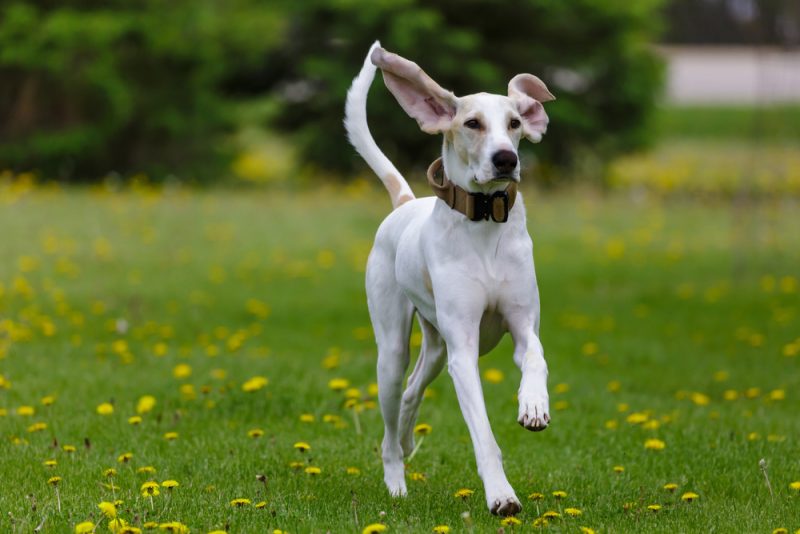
point(670, 320)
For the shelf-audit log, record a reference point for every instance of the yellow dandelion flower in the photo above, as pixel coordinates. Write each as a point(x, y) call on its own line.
point(689, 496)
point(654, 507)
point(463, 493)
point(261, 504)
point(637, 418)
point(254, 384)
point(510, 521)
point(795, 485)
point(50, 463)
point(125, 457)
point(150, 489)
point(536, 496)
point(338, 384)
point(614, 386)
point(306, 418)
point(37, 427)
point(150, 525)
point(302, 446)
point(296, 465)
point(255, 433)
point(171, 436)
point(587, 530)
point(48, 400)
point(84, 528)
point(612, 424)
point(781, 530)
point(493, 376)
point(374, 528)
point(26, 411)
point(68, 448)
point(352, 393)
point(540, 522)
point(700, 399)
point(182, 370)
point(170, 484)
point(218, 532)
point(145, 404)
point(105, 408)
point(654, 444)
point(354, 471)
point(135, 420)
point(417, 477)
point(423, 429)
point(108, 508)
point(559, 494)
point(573, 512)
point(619, 469)
point(551, 514)
point(146, 470)
point(777, 394)
point(441, 529)
point(238, 503)
point(110, 472)
point(175, 527)
point(313, 471)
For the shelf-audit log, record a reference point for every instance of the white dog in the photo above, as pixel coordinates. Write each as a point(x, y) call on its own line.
point(463, 262)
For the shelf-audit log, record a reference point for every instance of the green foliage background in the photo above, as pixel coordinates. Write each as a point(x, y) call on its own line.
point(93, 87)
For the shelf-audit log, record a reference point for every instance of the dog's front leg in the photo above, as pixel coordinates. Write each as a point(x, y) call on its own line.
point(534, 403)
point(462, 364)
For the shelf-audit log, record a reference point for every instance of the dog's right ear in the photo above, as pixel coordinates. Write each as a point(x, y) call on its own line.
point(422, 98)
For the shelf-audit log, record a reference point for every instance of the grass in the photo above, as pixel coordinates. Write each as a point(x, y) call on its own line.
point(771, 122)
point(658, 310)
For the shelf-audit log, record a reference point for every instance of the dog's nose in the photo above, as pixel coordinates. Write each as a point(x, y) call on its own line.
point(504, 161)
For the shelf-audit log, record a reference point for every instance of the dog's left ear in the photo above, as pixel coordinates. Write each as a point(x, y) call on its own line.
point(528, 92)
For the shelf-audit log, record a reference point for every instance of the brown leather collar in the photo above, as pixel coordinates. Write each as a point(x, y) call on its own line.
point(476, 206)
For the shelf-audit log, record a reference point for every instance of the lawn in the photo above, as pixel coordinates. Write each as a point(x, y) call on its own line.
point(218, 320)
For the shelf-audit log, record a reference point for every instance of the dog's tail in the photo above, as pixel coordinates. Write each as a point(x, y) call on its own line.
point(355, 122)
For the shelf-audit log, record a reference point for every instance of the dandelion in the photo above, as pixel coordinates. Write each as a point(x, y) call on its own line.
point(671, 486)
point(587, 530)
point(313, 471)
point(37, 427)
point(302, 446)
point(540, 522)
point(239, 503)
point(296, 465)
point(619, 469)
point(69, 449)
point(338, 384)
point(171, 436)
point(354, 471)
point(170, 484)
point(654, 507)
point(689, 496)
point(510, 521)
point(48, 400)
point(55, 481)
point(255, 433)
point(145, 404)
point(125, 457)
point(26, 411)
point(110, 472)
point(795, 485)
point(108, 508)
point(780, 530)
point(84, 528)
point(441, 529)
point(254, 384)
point(306, 418)
point(463, 493)
point(261, 504)
point(551, 514)
point(374, 528)
point(135, 420)
point(536, 496)
point(417, 477)
point(175, 527)
point(50, 463)
point(493, 376)
point(572, 512)
point(421, 430)
point(146, 470)
point(559, 494)
point(654, 444)
point(150, 490)
point(105, 408)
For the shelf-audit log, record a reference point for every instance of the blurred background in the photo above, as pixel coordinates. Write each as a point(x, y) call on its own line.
point(202, 91)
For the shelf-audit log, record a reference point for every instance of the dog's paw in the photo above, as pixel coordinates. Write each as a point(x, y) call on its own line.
point(505, 506)
point(534, 412)
point(395, 479)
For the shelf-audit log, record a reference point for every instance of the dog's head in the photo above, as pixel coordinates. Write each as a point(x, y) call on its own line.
point(481, 131)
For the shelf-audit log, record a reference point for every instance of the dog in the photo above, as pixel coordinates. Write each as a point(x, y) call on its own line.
point(462, 260)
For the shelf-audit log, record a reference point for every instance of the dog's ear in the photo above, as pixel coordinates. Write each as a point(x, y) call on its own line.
point(528, 92)
point(422, 98)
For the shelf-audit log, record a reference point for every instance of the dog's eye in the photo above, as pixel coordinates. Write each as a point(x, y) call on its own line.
point(473, 124)
point(514, 124)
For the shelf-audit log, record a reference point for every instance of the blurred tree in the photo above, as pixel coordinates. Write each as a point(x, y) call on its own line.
point(596, 56)
point(91, 86)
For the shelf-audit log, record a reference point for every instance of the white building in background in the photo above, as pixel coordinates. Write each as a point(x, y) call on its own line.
point(729, 75)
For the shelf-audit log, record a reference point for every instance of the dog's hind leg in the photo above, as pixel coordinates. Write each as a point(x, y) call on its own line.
point(391, 313)
point(432, 357)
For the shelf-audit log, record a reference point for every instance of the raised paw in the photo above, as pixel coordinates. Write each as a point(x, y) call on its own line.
point(534, 414)
point(506, 506)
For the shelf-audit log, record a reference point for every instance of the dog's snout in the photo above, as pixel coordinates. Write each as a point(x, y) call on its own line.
point(505, 161)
